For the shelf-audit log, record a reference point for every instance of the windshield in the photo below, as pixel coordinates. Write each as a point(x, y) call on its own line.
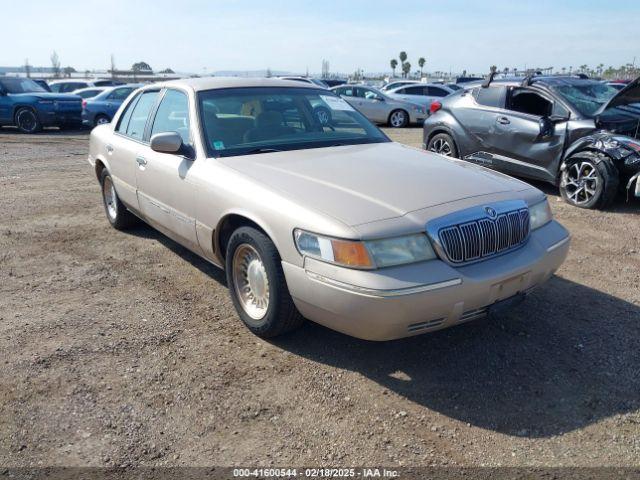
point(587, 98)
point(241, 121)
point(20, 85)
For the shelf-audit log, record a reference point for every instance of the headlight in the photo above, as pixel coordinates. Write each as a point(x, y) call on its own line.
point(369, 254)
point(540, 214)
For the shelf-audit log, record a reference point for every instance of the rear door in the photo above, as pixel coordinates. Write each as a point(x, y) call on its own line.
point(371, 104)
point(166, 192)
point(128, 144)
point(478, 117)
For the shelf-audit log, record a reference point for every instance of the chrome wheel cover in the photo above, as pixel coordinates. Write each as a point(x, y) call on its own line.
point(397, 119)
point(110, 198)
point(250, 282)
point(442, 147)
point(581, 182)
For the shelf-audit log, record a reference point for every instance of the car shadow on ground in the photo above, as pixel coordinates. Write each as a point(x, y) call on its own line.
point(563, 360)
point(47, 131)
point(145, 231)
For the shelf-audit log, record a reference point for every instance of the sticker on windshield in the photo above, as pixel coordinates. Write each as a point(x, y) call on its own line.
point(336, 103)
point(218, 144)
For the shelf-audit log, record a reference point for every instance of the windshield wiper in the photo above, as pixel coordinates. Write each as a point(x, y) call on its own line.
point(261, 150)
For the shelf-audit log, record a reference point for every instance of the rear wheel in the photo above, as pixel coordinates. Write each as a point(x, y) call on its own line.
point(101, 120)
point(117, 214)
point(27, 121)
point(443, 144)
point(257, 285)
point(398, 119)
point(590, 180)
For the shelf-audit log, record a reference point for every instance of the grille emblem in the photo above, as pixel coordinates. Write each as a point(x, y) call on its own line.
point(491, 213)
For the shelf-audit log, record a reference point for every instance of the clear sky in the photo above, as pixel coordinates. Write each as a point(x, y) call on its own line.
point(191, 35)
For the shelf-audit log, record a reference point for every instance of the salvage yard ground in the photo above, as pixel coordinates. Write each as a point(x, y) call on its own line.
point(124, 349)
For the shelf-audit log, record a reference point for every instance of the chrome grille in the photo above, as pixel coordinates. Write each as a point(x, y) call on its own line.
point(485, 237)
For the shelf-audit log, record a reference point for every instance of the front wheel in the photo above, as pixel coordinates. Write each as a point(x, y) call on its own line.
point(589, 180)
point(399, 119)
point(257, 285)
point(27, 121)
point(443, 144)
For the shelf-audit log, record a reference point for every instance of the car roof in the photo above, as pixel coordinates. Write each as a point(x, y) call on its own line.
point(213, 83)
point(547, 80)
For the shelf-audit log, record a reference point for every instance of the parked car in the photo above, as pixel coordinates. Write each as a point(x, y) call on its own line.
point(68, 86)
point(28, 106)
point(102, 107)
point(333, 82)
point(617, 85)
point(313, 81)
point(338, 225)
point(579, 134)
point(397, 84)
point(89, 92)
point(381, 108)
point(421, 94)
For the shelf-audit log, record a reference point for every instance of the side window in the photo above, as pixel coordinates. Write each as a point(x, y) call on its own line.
point(491, 96)
point(140, 114)
point(173, 115)
point(123, 123)
point(348, 92)
point(55, 87)
point(120, 93)
point(414, 90)
point(437, 92)
point(368, 94)
point(525, 101)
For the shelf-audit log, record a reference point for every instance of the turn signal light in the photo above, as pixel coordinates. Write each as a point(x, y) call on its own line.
point(435, 106)
point(350, 253)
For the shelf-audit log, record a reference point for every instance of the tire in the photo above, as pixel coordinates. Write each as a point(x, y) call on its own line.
point(257, 285)
point(398, 119)
point(27, 120)
point(119, 217)
point(100, 119)
point(443, 144)
point(590, 180)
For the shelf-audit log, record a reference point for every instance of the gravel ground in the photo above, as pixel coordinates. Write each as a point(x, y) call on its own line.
point(124, 349)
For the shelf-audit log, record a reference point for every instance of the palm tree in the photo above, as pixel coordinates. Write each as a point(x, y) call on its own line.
point(403, 59)
point(406, 69)
point(394, 64)
point(421, 62)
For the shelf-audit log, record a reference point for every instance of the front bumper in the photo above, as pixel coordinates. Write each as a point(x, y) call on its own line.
point(413, 299)
point(58, 118)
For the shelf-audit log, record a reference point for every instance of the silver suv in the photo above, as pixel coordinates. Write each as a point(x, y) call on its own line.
point(579, 134)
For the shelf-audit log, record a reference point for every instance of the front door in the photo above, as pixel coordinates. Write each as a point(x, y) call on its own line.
point(520, 146)
point(166, 193)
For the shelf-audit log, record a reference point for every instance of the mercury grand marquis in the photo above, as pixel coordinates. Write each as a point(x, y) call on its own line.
point(314, 213)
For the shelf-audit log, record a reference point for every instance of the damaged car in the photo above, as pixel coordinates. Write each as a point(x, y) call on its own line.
point(579, 134)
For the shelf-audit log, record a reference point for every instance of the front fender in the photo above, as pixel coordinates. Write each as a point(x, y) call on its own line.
point(612, 145)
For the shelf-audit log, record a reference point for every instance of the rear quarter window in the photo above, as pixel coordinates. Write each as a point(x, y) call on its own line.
point(490, 96)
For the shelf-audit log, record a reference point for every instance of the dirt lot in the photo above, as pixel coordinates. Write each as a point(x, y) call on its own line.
point(124, 349)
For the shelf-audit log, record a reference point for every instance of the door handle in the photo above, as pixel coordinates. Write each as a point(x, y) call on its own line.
point(504, 121)
point(141, 161)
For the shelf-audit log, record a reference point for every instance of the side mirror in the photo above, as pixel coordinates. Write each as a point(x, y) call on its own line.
point(167, 142)
point(546, 127)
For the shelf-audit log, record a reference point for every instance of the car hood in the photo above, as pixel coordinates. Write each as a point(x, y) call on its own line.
point(627, 96)
point(359, 184)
